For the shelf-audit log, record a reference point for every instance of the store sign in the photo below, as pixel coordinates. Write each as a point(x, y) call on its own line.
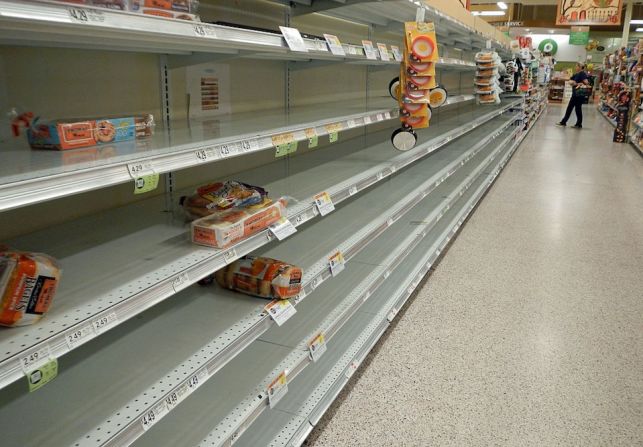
point(509, 24)
point(579, 35)
point(589, 12)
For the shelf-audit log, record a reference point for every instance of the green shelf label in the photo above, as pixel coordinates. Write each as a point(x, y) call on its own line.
point(41, 376)
point(146, 183)
point(286, 149)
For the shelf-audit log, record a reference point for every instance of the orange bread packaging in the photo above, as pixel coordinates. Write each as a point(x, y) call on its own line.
point(28, 284)
point(224, 228)
point(262, 277)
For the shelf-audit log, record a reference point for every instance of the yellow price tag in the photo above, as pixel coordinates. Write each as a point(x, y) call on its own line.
point(284, 138)
point(146, 183)
point(335, 127)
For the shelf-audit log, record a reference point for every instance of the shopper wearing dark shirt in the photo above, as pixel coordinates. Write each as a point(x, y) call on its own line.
point(580, 84)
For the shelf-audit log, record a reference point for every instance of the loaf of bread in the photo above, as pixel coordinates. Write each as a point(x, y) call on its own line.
point(261, 277)
point(28, 284)
point(216, 197)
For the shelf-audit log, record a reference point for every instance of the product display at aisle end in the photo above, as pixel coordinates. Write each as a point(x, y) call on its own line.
point(229, 237)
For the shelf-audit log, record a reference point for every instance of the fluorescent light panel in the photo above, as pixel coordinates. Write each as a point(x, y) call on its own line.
point(639, 30)
point(502, 5)
point(488, 13)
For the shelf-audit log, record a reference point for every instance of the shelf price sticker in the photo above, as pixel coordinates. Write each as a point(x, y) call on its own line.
point(334, 127)
point(324, 203)
point(280, 311)
point(286, 149)
point(392, 314)
point(103, 323)
point(283, 228)
point(369, 49)
point(333, 137)
point(334, 45)
point(317, 346)
point(181, 282)
point(140, 169)
point(313, 139)
point(352, 190)
point(153, 415)
point(397, 54)
point(367, 120)
point(76, 337)
point(81, 15)
point(351, 369)
point(383, 52)
point(41, 376)
point(283, 138)
point(277, 389)
point(293, 39)
point(35, 359)
point(204, 155)
point(351, 124)
point(146, 183)
point(336, 263)
point(249, 145)
point(228, 150)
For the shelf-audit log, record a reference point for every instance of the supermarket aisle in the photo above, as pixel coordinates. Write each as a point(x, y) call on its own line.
point(530, 330)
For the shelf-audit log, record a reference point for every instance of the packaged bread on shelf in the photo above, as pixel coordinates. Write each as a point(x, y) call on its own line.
point(220, 196)
point(224, 228)
point(28, 283)
point(261, 277)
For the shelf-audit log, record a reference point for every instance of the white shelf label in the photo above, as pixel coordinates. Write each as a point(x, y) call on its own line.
point(103, 323)
point(35, 358)
point(352, 190)
point(280, 311)
point(351, 369)
point(228, 150)
point(205, 155)
point(203, 30)
point(324, 203)
point(397, 54)
point(336, 263)
point(197, 380)
point(249, 145)
point(181, 282)
point(351, 124)
point(154, 415)
point(283, 229)
point(230, 256)
point(392, 314)
point(380, 117)
point(387, 115)
point(293, 39)
point(277, 389)
point(367, 120)
point(76, 337)
point(140, 169)
point(317, 346)
point(334, 45)
point(371, 52)
point(83, 16)
point(383, 52)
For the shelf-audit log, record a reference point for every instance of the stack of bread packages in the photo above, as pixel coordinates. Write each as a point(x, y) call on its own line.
point(417, 90)
point(487, 85)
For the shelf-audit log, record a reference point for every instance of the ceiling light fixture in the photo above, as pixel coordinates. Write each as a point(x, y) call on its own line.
point(636, 22)
point(639, 30)
point(502, 5)
point(488, 13)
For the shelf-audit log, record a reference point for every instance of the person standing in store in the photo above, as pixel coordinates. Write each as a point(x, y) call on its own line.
point(580, 87)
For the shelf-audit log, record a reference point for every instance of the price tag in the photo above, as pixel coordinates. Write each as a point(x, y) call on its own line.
point(380, 175)
point(380, 117)
point(371, 52)
point(103, 323)
point(387, 115)
point(203, 30)
point(286, 149)
point(249, 145)
point(146, 183)
point(335, 45)
point(41, 376)
point(283, 229)
point(392, 314)
point(228, 150)
point(154, 415)
point(352, 190)
point(204, 155)
point(367, 120)
point(197, 380)
point(230, 255)
point(324, 203)
point(397, 54)
point(277, 389)
point(317, 346)
point(84, 16)
point(336, 263)
point(383, 52)
point(284, 138)
point(280, 311)
point(351, 369)
point(351, 124)
point(181, 282)
point(333, 137)
point(293, 39)
point(334, 127)
point(140, 169)
point(76, 337)
point(35, 359)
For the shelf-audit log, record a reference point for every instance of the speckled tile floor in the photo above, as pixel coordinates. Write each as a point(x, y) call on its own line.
point(530, 331)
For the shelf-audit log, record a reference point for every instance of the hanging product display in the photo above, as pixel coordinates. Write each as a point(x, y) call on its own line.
point(28, 284)
point(416, 89)
point(261, 277)
point(487, 86)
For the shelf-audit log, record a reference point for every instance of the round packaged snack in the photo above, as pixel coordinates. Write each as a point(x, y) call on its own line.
point(438, 97)
point(422, 47)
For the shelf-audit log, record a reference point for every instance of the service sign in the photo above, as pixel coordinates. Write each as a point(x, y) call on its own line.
point(589, 12)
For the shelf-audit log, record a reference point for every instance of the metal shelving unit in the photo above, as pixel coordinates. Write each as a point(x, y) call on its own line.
point(137, 285)
point(456, 164)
